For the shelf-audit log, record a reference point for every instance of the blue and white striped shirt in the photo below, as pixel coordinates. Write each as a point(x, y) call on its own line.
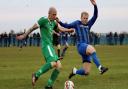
point(82, 31)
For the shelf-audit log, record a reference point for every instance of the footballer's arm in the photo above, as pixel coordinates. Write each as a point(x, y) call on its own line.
point(54, 32)
point(62, 29)
point(34, 27)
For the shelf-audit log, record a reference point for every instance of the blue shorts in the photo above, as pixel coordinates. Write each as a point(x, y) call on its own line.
point(82, 47)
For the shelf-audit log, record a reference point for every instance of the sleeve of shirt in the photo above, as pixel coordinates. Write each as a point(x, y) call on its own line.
point(41, 21)
point(71, 25)
point(93, 19)
point(55, 27)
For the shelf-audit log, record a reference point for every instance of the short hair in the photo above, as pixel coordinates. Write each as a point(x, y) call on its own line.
point(84, 13)
point(52, 9)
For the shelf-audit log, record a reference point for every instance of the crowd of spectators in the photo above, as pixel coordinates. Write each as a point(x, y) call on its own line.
point(109, 38)
point(9, 39)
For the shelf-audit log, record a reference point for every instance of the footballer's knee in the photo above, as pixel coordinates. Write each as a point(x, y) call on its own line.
point(87, 73)
point(53, 64)
point(66, 46)
point(58, 65)
point(58, 47)
point(90, 50)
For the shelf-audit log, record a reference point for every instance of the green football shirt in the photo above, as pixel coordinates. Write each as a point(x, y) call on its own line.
point(46, 30)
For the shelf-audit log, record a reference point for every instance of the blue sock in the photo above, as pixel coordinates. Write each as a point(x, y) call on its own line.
point(80, 72)
point(95, 59)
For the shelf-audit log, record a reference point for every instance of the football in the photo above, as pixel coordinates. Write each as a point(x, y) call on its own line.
point(68, 85)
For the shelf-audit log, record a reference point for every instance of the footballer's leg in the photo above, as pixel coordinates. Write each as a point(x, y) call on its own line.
point(56, 71)
point(92, 52)
point(73, 72)
point(34, 79)
point(54, 74)
point(41, 71)
point(85, 58)
point(87, 67)
point(48, 53)
point(64, 49)
point(85, 70)
point(58, 50)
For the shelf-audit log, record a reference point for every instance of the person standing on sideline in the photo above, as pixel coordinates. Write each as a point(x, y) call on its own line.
point(57, 41)
point(47, 26)
point(87, 51)
point(65, 43)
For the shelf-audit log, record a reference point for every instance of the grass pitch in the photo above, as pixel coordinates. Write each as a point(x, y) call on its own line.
point(16, 67)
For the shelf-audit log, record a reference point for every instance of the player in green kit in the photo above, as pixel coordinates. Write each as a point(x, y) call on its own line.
point(47, 25)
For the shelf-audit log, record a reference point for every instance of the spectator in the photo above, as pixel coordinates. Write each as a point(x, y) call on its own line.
point(121, 36)
point(38, 39)
point(115, 38)
point(30, 40)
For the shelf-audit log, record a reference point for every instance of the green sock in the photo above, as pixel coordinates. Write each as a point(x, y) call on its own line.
point(53, 77)
point(43, 69)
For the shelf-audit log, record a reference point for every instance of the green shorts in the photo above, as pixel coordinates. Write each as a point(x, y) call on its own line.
point(49, 53)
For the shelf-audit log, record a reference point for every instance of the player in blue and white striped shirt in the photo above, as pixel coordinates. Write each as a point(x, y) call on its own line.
point(87, 51)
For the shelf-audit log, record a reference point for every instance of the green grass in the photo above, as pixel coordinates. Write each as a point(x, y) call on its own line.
point(17, 66)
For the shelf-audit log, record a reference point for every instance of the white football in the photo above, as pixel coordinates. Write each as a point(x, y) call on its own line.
point(68, 85)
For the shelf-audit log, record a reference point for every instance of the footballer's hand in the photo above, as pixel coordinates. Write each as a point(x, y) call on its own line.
point(20, 37)
point(93, 2)
point(57, 20)
point(71, 30)
point(58, 34)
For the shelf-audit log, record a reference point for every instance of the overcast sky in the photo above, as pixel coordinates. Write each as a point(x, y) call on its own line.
point(20, 14)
